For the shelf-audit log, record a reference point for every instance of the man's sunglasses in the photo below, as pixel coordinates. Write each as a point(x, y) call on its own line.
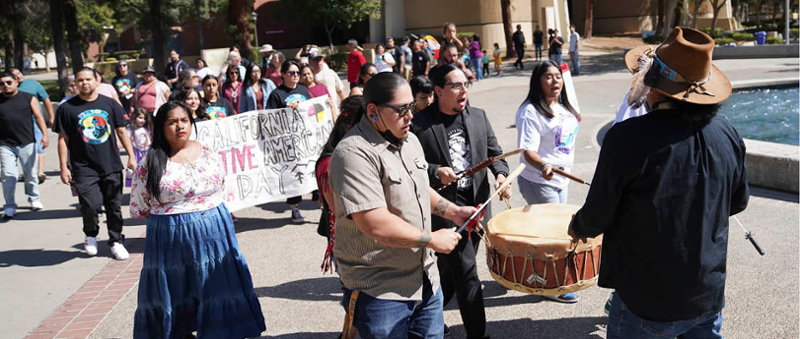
point(402, 110)
point(7, 83)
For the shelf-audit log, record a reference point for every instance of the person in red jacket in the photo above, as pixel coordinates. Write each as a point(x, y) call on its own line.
point(354, 62)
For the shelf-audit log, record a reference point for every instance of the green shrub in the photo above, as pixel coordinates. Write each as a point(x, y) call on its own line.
point(774, 41)
point(723, 41)
point(654, 39)
point(717, 31)
point(743, 37)
point(337, 61)
point(794, 32)
point(111, 59)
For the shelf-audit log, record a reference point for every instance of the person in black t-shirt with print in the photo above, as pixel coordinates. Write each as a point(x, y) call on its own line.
point(125, 83)
point(419, 60)
point(88, 126)
point(217, 107)
point(289, 94)
point(454, 137)
point(17, 142)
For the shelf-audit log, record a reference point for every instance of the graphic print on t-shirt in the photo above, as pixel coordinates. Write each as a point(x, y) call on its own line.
point(216, 112)
point(94, 127)
point(460, 155)
point(565, 135)
point(123, 84)
point(295, 97)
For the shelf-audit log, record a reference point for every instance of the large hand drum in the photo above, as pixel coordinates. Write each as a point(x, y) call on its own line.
point(529, 251)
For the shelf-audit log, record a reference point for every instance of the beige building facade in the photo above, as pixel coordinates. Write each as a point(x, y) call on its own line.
point(484, 17)
point(401, 17)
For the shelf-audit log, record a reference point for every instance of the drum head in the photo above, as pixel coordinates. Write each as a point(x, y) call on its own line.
point(536, 229)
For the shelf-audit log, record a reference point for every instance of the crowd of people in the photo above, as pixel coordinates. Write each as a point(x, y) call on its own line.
point(390, 183)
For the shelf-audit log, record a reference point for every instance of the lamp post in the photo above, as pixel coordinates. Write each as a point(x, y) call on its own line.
point(255, 22)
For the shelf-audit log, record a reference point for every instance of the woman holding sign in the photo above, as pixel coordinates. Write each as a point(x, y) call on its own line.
point(194, 277)
point(290, 94)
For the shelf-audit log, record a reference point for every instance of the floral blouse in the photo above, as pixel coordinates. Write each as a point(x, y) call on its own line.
point(185, 187)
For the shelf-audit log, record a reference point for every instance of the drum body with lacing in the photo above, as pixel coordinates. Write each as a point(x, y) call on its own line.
point(528, 250)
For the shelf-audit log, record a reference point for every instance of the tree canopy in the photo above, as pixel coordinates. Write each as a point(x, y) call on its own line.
point(334, 13)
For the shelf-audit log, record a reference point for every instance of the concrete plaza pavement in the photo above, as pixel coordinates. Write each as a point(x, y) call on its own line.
point(42, 265)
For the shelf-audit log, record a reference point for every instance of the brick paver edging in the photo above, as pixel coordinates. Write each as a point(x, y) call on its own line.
point(86, 308)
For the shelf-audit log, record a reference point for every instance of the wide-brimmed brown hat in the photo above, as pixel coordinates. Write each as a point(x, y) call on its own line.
point(684, 64)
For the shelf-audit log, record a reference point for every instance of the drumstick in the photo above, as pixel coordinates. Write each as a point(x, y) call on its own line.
point(511, 177)
point(561, 172)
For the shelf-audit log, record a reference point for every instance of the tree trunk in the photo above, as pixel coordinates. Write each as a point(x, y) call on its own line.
point(71, 24)
point(19, 36)
point(587, 25)
point(239, 16)
point(505, 6)
point(157, 31)
point(10, 62)
point(696, 10)
point(775, 12)
point(199, 26)
point(328, 30)
point(758, 14)
point(660, 16)
point(717, 6)
point(671, 7)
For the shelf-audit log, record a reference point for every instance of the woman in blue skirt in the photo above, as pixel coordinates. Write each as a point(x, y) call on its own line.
point(194, 277)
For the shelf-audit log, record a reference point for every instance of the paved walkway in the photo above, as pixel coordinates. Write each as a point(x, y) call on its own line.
point(51, 289)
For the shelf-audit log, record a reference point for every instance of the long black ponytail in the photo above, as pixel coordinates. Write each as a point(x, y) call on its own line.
point(160, 151)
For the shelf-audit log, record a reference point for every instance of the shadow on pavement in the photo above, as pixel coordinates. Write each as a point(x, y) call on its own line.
point(252, 224)
point(283, 207)
point(314, 289)
point(599, 64)
point(38, 257)
point(565, 328)
point(305, 335)
point(46, 214)
point(777, 195)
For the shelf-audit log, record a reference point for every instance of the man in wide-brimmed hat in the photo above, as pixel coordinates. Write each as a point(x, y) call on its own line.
point(664, 188)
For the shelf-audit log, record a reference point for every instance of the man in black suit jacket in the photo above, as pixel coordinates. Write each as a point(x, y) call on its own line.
point(455, 137)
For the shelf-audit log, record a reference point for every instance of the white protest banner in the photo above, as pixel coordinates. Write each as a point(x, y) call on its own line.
point(269, 155)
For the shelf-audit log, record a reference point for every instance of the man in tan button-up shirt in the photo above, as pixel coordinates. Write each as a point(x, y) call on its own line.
point(384, 244)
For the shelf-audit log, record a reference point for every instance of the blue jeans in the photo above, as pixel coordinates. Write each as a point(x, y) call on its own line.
point(37, 134)
point(623, 324)
point(476, 63)
point(557, 58)
point(28, 160)
point(536, 193)
point(538, 51)
point(395, 319)
point(576, 64)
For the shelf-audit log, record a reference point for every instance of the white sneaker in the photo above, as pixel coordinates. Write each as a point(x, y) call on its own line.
point(119, 251)
point(9, 212)
point(36, 206)
point(90, 245)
